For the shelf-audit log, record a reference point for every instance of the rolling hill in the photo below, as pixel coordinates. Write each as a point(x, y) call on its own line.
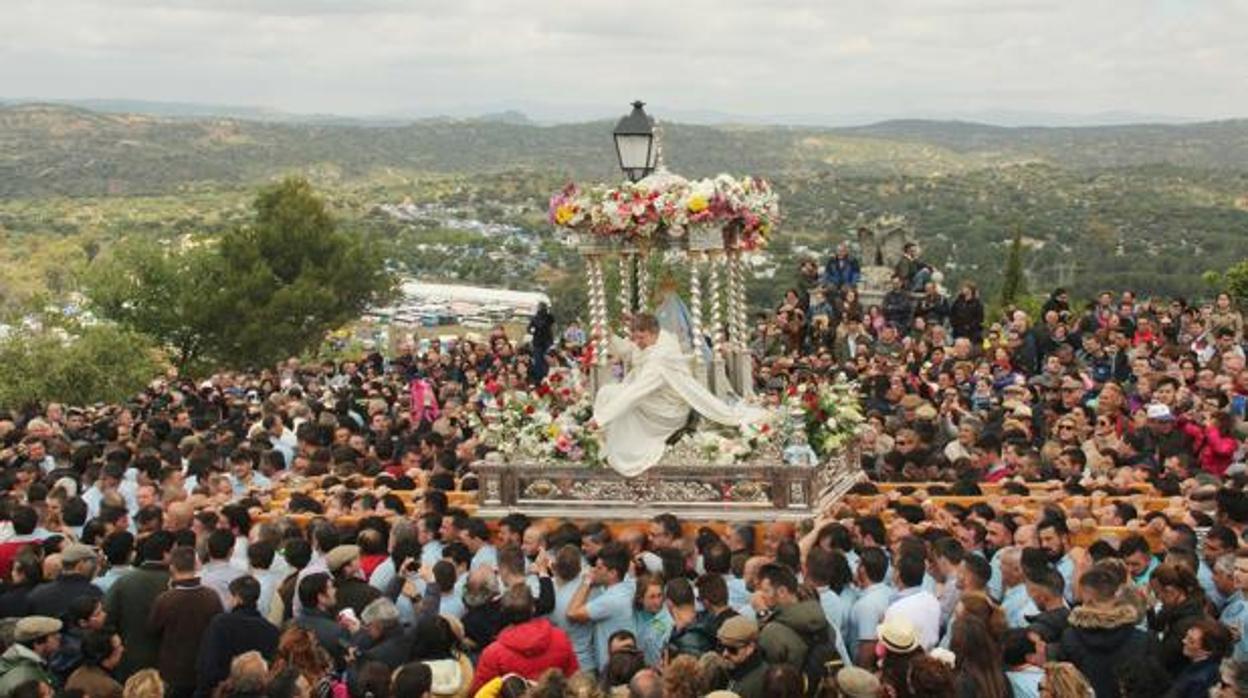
point(60, 150)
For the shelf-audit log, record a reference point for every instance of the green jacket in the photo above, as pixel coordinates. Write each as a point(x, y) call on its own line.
point(20, 664)
point(784, 637)
point(128, 602)
point(749, 680)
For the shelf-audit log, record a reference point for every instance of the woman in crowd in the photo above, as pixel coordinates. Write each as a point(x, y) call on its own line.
point(1182, 604)
point(980, 673)
point(299, 649)
point(1063, 680)
point(1205, 644)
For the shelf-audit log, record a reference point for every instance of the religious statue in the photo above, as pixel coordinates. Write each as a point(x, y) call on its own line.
point(655, 399)
point(882, 240)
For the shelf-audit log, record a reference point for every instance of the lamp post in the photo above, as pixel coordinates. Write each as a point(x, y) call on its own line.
point(635, 143)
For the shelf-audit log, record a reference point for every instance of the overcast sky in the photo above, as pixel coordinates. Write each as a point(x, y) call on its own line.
point(755, 59)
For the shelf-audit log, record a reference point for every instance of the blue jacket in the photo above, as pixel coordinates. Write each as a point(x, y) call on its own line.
point(842, 272)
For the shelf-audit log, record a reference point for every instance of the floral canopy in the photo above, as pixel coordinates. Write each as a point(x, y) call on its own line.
point(670, 206)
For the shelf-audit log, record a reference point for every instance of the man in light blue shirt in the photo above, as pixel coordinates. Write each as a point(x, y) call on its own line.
point(219, 572)
point(717, 559)
point(117, 548)
point(1014, 600)
point(1235, 614)
point(1024, 652)
point(868, 611)
point(829, 573)
point(610, 607)
point(1219, 541)
point(567, 578)
point(477, 537)
point(243, 475)
point(1054, 538)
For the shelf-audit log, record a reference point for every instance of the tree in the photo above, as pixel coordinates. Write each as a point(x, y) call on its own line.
point(1235, 282)
point(263, 292)
point(1014, 285)
point(99, 363)
point(169, 295)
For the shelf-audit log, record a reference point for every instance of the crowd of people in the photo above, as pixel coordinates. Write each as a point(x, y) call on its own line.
point(296, 532)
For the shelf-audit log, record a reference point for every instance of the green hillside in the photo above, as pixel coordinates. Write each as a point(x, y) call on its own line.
point(1146, 206)
point(51, 150)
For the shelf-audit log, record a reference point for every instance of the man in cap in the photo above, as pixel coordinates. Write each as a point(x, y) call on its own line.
point(738, 643)
point(856, 682)
point(353, 592)
point(53, 598)
point(35, 640)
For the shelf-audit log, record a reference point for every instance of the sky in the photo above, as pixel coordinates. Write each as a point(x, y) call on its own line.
point(778, 60)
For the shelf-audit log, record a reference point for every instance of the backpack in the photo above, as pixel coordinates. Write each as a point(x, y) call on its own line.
point(822, 660)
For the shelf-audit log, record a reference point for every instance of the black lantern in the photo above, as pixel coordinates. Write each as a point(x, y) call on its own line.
point(634, 143)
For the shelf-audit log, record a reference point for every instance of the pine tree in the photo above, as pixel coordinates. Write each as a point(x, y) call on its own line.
point(1015, 284)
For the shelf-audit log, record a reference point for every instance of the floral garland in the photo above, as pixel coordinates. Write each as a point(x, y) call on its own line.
point(722, 447)
point(831, 414)
point(553, 422)
point(638, 211)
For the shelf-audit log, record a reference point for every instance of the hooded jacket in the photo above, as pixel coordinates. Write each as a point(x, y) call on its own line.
point(1050, 624)
point(1099, 640)
point(527, 649)
point(789, 634)
point(20, 664)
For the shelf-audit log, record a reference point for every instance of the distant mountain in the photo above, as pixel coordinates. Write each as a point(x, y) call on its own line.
point(62, 150)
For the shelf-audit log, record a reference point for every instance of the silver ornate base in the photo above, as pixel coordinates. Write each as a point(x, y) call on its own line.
point(763, 490)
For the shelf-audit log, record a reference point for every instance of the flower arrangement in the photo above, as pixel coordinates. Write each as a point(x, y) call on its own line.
point(670, 205)
point(553, 422)
point(831, 414)
point(720, 448)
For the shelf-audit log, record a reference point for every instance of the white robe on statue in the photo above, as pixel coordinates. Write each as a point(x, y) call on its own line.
point(653, 402)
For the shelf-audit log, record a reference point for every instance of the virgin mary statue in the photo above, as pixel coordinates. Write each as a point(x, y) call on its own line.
point(655, 398)
point(673, 316)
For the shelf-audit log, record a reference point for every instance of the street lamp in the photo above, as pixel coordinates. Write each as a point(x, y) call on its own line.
point(635, 143)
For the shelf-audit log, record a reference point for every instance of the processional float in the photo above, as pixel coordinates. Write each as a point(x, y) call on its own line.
point(545, 464)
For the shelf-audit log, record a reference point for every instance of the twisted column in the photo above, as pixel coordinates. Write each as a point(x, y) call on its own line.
point(734, 282)
point(739, 320)
point(598, 309)
point(695, 304)
point(715, 261)
point(626, 283)
point(643, 282)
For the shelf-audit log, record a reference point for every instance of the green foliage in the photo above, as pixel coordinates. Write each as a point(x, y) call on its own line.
point(170, 295)
point(1014, 283)
point(262, 292)
point(1235, 282)
point(98, 363)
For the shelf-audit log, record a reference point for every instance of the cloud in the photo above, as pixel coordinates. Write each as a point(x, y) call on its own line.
point(905, 57)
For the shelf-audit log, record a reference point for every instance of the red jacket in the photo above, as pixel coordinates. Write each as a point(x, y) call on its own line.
point(527, 649)
point(1217, 451)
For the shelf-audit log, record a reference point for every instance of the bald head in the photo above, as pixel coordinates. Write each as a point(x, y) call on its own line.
point(752, 567)
point(178, 516)
point(646, 684)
